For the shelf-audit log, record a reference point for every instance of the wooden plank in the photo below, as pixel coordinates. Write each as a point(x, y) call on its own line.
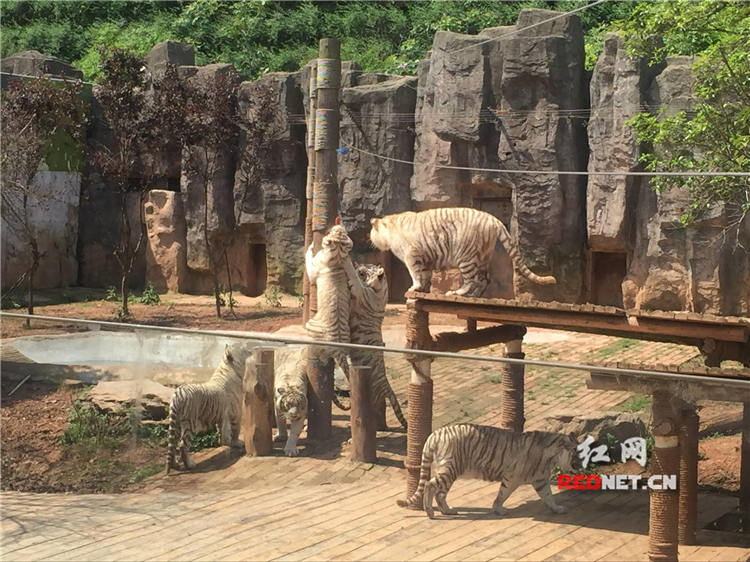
point(456, 341)
point(581, 321)
point(632, 383)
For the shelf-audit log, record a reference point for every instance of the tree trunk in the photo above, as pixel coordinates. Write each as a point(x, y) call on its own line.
point(124, 293)
point(32, 271)
point(31, 295)
point(230, 300)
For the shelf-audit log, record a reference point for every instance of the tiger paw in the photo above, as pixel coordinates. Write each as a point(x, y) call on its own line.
point(190, 464)
point(291, 451)
point(559, 509)
point(499, 510)
point(238, 444)
point(450, 511)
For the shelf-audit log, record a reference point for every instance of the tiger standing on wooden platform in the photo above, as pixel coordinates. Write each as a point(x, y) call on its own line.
point(445, 238)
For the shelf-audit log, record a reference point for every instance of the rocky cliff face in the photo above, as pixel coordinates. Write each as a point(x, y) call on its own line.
point(376, 118)
point(276, 207)
point(641, 256)
point(518, 102)
point(504, 104)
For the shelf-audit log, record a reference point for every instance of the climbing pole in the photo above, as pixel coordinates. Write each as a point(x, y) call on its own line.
point(324, 201)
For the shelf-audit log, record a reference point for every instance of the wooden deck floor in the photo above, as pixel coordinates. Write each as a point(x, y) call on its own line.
point(323, 506)
point(340, 521)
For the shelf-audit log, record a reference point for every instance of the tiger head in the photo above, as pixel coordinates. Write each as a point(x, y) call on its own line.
point(568, 446)
point(235, 357)
point(337, 241)
point(373, 276)
point(291, 403)
point(379, 235)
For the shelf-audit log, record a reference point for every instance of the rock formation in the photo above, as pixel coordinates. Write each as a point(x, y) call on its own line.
point(503, 104)
point(517, 102)
point(641, 256)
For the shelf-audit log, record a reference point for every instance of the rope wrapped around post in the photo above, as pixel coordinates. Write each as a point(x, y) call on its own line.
point(664, 504)
point(419, 394)
point(512, 407)
point(420, 427)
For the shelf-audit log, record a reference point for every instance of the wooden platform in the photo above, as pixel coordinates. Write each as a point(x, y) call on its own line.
point(719, 337)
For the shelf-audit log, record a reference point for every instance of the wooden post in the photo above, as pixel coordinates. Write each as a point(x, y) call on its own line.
point(257, 385)
point(745, 465)
point(512, 406)
point(325, 187)
point(664, 504)
point(688, 475)
point(419, 415)
point(362, 415)
point(308, 291)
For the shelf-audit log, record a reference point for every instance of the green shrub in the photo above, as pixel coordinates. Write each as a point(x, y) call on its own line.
point(86, 424)
point(150, 296)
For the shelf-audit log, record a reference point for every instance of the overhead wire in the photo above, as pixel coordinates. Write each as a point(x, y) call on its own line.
point(554, 172)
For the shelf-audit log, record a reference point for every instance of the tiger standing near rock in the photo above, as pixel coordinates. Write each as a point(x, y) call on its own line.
point(494, 454)
point(216, 403)
point(445, 238)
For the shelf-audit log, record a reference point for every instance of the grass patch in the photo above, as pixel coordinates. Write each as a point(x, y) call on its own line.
point(622, 344)
point(205, 440)
point(92, 428)
point(146, 471)
point(494, 379)
point(636, 403)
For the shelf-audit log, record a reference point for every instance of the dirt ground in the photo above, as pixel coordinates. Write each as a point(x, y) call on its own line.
point(35, 417)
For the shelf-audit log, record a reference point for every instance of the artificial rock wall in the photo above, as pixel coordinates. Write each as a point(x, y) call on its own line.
point(518, 102)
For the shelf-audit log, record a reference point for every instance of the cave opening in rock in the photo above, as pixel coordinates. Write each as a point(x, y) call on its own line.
point(256, 279)
point(608, 270)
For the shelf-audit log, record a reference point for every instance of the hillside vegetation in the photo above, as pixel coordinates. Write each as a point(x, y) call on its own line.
point(263, 36)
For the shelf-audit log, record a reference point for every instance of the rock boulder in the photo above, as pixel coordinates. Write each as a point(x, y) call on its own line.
point(119, 396)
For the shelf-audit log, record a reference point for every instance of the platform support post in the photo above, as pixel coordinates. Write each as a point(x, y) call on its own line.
point(745, 466)
point(664, 504)
point(688, 481)
point(419, 415)
point(512, 407)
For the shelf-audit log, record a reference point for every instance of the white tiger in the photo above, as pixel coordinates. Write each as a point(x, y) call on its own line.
point(331, 269)
point(367, 329)
point(215, 403)
point(493, 454)
point(445, 238)
point(290, 395)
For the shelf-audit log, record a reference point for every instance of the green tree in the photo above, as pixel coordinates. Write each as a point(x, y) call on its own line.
point(715, 136)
